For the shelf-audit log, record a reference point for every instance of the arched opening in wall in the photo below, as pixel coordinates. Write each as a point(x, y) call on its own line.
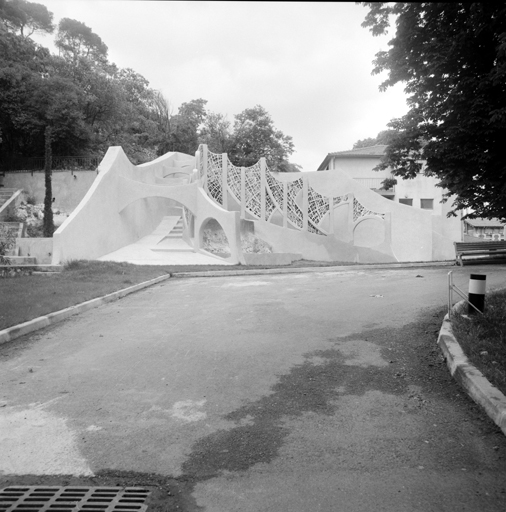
point(214, 239)
point(173, 177)
point(369, 232)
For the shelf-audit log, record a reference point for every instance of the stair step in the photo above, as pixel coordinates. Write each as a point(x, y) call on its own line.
point(167, 249)
point(22, 260)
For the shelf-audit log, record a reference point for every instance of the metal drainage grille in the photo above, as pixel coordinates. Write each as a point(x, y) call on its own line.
point(73, 499)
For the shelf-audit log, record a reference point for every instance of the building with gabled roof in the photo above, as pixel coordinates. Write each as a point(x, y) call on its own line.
point(483, 230)
point(420, 192)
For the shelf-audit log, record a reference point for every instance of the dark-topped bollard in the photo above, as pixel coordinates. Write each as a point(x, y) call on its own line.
point(477, 286)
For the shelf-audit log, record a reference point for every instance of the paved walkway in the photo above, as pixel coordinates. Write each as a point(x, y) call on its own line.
point(177, 252)
point(317, 391)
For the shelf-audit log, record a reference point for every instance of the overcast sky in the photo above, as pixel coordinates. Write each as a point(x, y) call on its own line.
point(308, 64)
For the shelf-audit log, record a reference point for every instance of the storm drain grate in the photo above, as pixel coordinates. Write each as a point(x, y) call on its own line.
point(73, 499)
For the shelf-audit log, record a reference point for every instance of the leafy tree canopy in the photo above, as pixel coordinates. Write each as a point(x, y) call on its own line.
point(383, 137)
point(255, 136)
point(452, 59)
point(75, 39)
point(186, 125)
point(25, 17)
point(216, 133)
point(89, 104)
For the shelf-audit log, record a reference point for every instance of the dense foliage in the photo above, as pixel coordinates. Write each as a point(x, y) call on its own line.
point(91, 104)
point(452, 59)
point(383, 137)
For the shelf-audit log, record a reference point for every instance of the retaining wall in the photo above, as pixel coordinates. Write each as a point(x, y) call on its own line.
point(69, 187)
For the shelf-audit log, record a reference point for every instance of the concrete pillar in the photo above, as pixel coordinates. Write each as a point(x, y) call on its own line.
point(263, 184)
point(351, 222)
point(285, 204)
point(331, 215)
point(243, 193)
point(204, 164)
point(305, 194)
point(224, 185)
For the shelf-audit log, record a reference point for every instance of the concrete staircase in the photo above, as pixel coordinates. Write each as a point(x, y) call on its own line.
point(16, 230)
point(5, 195)
point(164, 246)
point(173, 241)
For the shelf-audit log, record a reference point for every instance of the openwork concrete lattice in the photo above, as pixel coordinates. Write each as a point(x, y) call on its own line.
point(73, 499)
point(262, 194)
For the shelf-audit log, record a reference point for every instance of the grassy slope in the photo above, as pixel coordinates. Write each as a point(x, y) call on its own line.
point(27, 297)
point(483, 339)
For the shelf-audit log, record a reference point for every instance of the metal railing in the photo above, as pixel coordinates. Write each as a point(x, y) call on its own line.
point(59, 163)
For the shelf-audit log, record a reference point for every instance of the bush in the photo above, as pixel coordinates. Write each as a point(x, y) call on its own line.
point(75, 264)
point(7, 242)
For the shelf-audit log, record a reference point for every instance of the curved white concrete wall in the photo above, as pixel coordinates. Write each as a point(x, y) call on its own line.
point(117, 211)
point(409, 238)
point(127, 202)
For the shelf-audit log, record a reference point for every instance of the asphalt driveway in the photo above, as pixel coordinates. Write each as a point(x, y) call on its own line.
point(321, 391)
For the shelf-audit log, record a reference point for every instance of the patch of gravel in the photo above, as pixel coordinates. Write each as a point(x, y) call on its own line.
point(216, 242)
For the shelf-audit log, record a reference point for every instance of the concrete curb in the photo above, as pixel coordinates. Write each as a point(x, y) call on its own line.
point(16, 331)
point(469, 377)
point(260, 271)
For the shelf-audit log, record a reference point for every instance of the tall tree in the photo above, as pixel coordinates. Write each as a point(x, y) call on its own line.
point(22, 67)
point(75, 39)
point(48, 221)
point(25, 17)
point(255, 136)
point(216, 133)
point(161, 114)
point(187, 123)
point(452, 59)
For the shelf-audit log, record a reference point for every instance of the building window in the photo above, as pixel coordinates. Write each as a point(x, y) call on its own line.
point(427, 204)
point(407, 201)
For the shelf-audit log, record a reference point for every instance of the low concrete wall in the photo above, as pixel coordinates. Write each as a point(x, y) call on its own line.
point(69, 187)
point(271, 258)
point(39, 248)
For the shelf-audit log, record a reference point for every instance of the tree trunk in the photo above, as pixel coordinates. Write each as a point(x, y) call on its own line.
point(48, 225)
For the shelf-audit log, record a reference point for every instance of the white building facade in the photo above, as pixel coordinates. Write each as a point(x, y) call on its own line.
point(420, 192)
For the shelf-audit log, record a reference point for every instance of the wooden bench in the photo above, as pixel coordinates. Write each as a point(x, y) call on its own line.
point(474, 252)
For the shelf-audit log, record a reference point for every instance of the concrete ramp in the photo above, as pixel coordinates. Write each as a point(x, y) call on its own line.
point(163, 229)
point(164, 246)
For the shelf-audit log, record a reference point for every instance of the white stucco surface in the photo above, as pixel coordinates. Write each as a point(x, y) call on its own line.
point(126, 204)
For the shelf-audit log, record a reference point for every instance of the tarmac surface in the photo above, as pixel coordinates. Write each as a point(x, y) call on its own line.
point(321, 391)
